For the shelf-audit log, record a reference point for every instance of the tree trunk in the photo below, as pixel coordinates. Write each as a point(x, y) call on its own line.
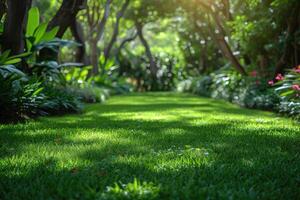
point(153, 66)
point(101, 29)
point(63, 19)
point(226, 4)
point(77, 32)
point(104, 20)
point(116, 31)
point(220, 37)
point(263, 63)
point(123, 43)
point(66, 15)
point(3, 8)
point(94, 59)
point(13, 36)
point(224, 46)
point(202, 61)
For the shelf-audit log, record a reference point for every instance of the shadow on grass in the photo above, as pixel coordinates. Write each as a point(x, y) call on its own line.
point(235, 161)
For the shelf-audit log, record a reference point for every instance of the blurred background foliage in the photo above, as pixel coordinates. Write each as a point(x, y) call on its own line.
point(238, 50)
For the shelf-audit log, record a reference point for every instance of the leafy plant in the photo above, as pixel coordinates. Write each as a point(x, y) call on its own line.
point(60, 101)
point(21, 97)
point(135, 190)
point(51, 71)
point(288, 86)
point(228, 85)
point(36, 32)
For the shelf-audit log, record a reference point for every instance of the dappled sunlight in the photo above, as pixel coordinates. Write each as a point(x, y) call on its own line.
point(190, 142)
point(149, 99)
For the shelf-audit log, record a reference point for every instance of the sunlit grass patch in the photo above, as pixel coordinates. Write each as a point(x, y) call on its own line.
point(172, 145)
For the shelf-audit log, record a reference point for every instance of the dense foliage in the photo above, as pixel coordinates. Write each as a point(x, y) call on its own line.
point(94, 48)
point(230, 86)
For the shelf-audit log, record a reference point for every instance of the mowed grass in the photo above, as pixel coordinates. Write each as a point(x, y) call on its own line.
point(175, 146)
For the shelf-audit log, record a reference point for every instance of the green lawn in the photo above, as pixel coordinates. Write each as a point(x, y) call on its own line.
point(175, 146)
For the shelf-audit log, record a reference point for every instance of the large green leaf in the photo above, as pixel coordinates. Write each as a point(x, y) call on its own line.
point(284, 87)
point(28, 45)
point(40, 32)
point(33, 21)
point(22, 55)
point(13, 61)
point(12, 69)
point(4, 56)
point(38, 91)
point(48, 36)
point(287, 93)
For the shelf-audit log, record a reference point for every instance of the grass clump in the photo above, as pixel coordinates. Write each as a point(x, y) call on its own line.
point(135, 190)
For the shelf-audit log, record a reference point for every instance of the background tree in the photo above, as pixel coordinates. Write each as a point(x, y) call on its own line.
point(13, 37)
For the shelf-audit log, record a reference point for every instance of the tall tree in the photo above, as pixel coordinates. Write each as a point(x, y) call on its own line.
point(293, 25)
point(13, 35)
point(96, 15)
point(115, 34)
point(153, 65)
point(64, 19)
point(3, 8)
point(78, 34)
point(65, 15)
point(218, 31)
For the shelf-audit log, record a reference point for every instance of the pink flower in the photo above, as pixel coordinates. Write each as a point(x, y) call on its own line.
point(297, 69)
point(279, 77)
point(271, 82)
point(296, 87)
point(253, 73)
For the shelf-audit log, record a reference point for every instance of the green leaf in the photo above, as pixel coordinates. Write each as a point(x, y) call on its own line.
point(33, 21)
point(287, 93)
point(48, 36)
point(22, 55)
point(4, 56)
point(284, 87)
point(12, 61)
point(71, 65)
point(12, 69)
point(38, 91)
point(28, 45)
point(1, 27)
point(40, 32)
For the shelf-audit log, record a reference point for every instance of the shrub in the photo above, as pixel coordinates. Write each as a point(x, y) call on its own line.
point(20, 96)
point(260, 99)
point(90, 94)
point(250, 92)
point(288, 87)
point(60, 100)
point(185, 85)
point(95, 89)
point(225, 84)
point(290, 108)
point(138, 69)
point(23, 97)
point(202, 86)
